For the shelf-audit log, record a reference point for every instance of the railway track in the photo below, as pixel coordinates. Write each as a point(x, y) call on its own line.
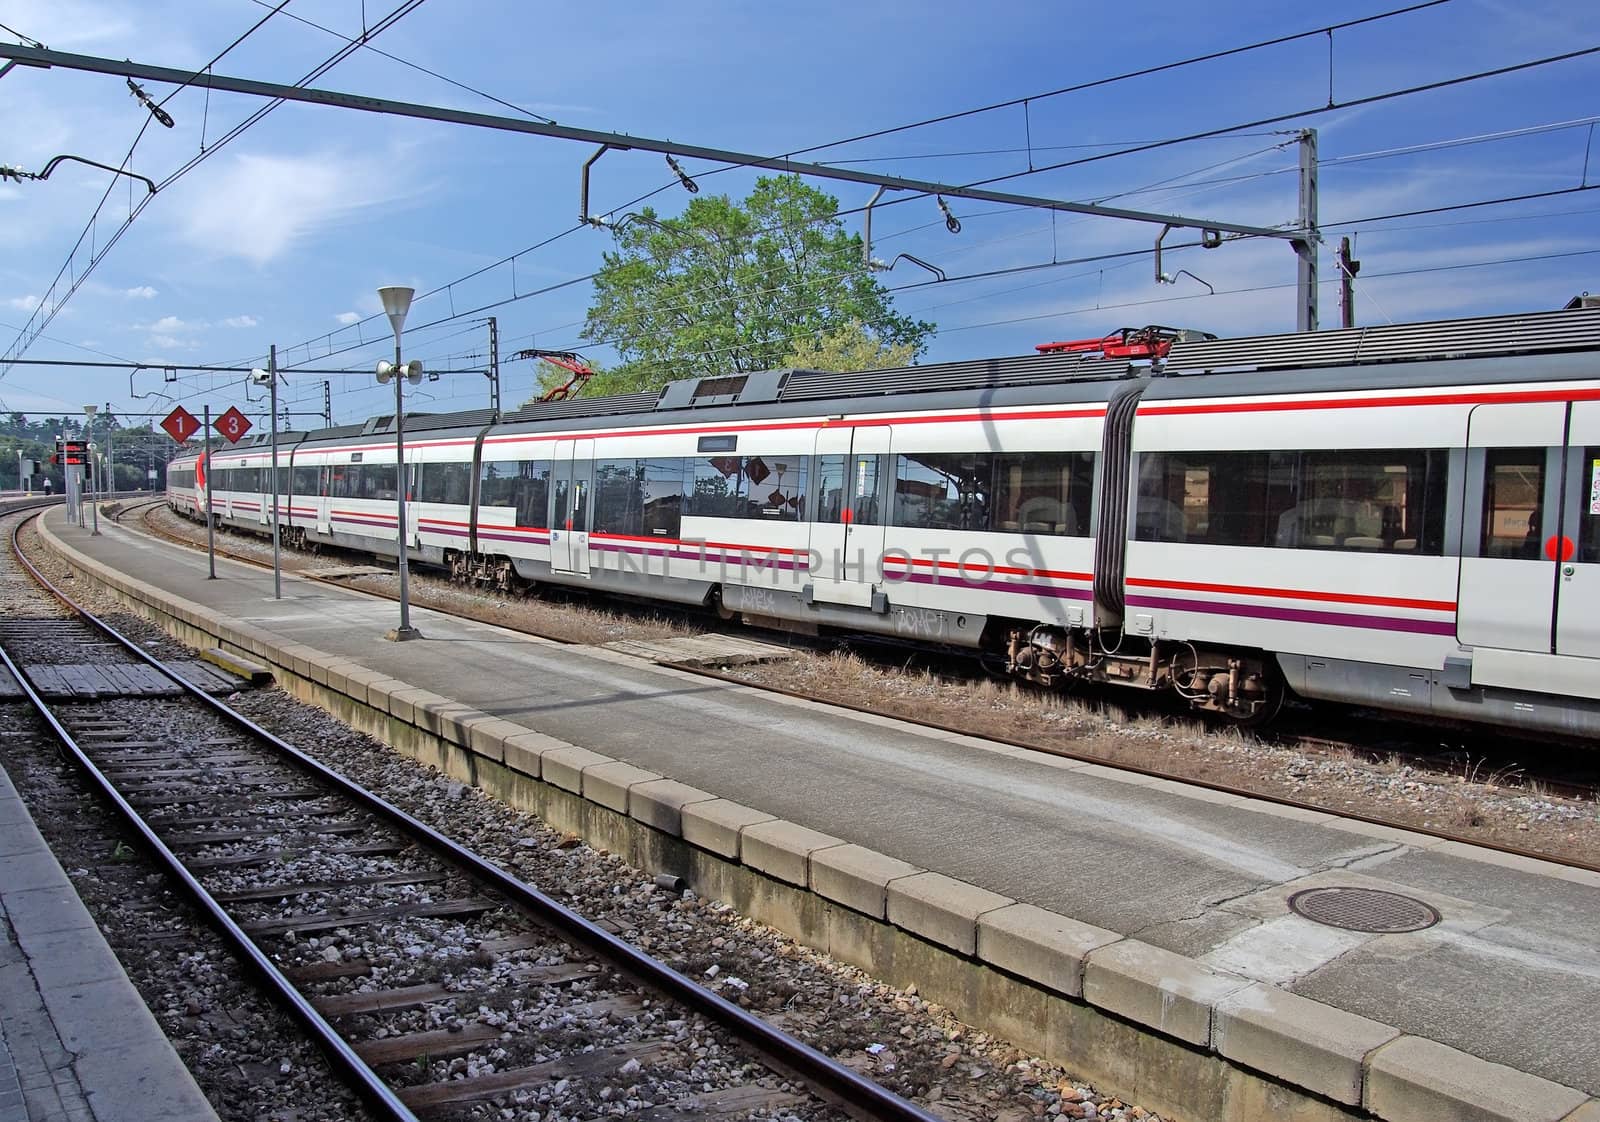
point(1448, 754)
point(343, 905)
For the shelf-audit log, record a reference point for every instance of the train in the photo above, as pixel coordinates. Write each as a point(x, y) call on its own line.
point(1402, 517)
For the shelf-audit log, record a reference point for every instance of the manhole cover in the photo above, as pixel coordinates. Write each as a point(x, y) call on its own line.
point(1363, 909)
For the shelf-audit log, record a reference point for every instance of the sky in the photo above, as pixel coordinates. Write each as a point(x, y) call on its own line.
point(282, 234)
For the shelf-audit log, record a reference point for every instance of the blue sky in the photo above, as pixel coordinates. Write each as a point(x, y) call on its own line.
point(284, 234)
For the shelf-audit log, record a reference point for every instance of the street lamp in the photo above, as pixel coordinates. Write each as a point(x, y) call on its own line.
point(88, 439)
point(270, 377)
point(396, 303)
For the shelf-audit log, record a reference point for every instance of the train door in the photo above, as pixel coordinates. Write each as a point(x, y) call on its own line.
point(572, 485)
point(324, 500)
point(1578, 547)
point(1507, 591)
point(413, 480)
point(847, 536)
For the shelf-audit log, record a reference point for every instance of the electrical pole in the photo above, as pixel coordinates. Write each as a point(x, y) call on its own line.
point(211, 548)
point(111, 462)
point(327, 404)
point(494, 365)
point(1305, 246)
point(1347, 284)
point(277, 570)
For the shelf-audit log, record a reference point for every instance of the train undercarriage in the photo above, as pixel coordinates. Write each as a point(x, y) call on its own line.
point(1242, 686)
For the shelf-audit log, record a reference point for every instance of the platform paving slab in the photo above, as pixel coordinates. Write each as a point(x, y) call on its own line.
point(1417, 1080)
point(565, 766)
point(1313, 1045)
point(1042, 946)
point(659, 803)
point(608, 784)
point(783, 850)
point(1165, 991)
point(942, 909)
point(858, 877)
point(718, 825)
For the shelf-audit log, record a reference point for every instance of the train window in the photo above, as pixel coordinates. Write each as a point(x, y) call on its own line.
point(1367, 501)
point(848, 489)
point(942, 491)
point(306, 481)
point(1043, 493)
point(1589, 513)
point(374, 481)
point(1216, 498)
point(718, 487)
point(1357, 500)
point(445, 483)
point(767, 487)
point(1513, 490)
point(618, 497)
point(662, 493)
point(830, 488)
point(776, 487)
point(523, 484)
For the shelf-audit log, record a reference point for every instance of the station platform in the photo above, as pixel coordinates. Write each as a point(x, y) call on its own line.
point(1136, 930)
point(77, 1043)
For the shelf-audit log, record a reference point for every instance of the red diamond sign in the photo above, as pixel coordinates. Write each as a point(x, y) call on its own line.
point(180, 424)
point(232, 424)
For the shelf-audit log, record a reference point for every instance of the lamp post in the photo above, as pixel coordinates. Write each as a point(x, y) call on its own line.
point(88, 439)
point(270, 376)
point(396, 303)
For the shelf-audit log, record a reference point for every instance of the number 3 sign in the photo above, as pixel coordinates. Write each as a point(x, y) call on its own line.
point(232, 425)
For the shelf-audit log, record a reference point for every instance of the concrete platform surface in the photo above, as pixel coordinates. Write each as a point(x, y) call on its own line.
point(1170, 903)
point(77, 1043)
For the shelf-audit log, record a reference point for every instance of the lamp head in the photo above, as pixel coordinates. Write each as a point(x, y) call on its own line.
point(396, 303)
point(260, 377)
point(91, 410)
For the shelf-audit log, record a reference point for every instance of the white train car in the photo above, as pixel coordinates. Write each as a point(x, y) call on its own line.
point(1402, 517)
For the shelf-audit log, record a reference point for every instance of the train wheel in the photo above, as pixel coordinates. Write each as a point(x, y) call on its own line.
point(1271, 704)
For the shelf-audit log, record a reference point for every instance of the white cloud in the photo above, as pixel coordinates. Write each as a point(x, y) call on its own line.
point(168, 343)
point(23, 303)
point(347, 318)
point(241, 321)
point(259, 207)
point(141, 292)
point(169, 324)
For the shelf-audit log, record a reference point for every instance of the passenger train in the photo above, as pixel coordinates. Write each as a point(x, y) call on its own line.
point(1402, 517)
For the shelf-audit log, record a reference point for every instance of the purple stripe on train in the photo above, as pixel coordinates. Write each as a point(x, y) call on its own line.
point(949, 580)
point(1298, 615)
point(695, 555)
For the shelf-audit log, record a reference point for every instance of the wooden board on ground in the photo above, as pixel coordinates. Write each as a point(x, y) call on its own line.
point(703, 650)
point(205, 676)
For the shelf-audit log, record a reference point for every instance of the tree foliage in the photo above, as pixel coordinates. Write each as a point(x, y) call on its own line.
point(849, 347)
point(730, 287)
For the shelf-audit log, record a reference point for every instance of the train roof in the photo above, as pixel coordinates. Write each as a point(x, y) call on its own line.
point(1384, 356)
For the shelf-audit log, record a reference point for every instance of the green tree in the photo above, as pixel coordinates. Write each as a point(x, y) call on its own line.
point(729, 288)
point(849, 347)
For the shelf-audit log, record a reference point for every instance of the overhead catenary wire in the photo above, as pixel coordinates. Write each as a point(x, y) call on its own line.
point(96, 257)
point(1324, 30)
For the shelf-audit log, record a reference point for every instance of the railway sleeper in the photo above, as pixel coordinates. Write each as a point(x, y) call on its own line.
point(1241, 685)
